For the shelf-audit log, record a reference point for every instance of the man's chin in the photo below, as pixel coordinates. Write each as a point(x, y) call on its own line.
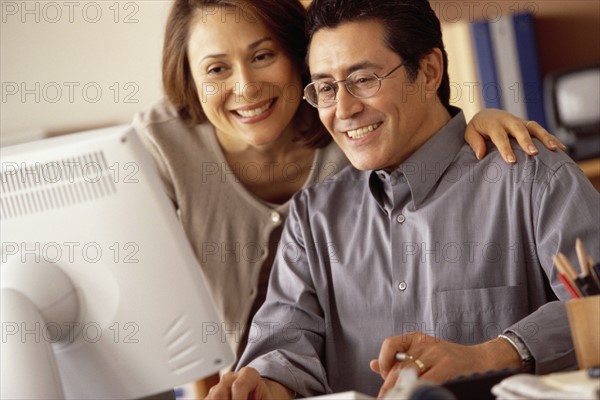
point(364, 164)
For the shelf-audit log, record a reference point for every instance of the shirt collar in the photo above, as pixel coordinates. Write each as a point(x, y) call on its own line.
point(425, 166)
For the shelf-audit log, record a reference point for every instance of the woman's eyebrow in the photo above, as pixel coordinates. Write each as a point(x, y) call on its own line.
point(251, 46)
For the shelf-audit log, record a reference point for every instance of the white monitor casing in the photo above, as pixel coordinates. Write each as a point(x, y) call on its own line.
point(91, 241)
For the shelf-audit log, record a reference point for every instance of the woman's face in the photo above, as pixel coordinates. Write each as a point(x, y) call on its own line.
point(248, 87)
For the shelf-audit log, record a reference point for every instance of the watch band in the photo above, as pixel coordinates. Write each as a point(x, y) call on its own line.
point(524, 353)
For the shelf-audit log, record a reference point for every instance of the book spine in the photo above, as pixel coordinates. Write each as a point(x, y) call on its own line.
point(465, 89)
point(507, 63)
point(486, 64)
point(529, 66)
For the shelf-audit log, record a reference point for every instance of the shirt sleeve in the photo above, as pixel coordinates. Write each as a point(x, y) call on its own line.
point(566, 207)
point(286, 340)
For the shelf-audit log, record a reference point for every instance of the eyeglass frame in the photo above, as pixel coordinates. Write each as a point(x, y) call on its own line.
point(335, 85)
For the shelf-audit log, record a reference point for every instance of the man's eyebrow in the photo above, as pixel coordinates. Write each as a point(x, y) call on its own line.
point(355, 67)
point(251, 46)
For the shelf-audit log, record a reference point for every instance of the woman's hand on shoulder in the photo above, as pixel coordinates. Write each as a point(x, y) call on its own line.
point(499, 126)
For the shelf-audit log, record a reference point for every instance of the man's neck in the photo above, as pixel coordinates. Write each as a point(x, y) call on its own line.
point(436, 120)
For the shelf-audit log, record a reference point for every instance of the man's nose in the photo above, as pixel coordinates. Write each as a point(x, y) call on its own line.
point(347, 105)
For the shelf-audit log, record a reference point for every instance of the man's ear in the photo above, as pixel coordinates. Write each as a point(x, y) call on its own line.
point(432, 66)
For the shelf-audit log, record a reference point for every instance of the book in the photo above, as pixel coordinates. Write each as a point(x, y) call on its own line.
point(465, 88)
point(486, 64)
point(508, 68)
point(530, 69)
point(508, 65)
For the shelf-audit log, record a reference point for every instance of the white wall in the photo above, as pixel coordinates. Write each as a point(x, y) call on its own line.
point(72, 65)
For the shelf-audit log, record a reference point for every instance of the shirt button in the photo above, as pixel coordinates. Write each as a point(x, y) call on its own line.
point(402, 286)
point(400, 218)
point(275, 217)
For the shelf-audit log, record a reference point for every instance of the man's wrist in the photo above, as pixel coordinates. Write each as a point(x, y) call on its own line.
point(527, 361)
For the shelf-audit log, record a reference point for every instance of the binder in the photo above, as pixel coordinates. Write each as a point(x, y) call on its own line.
point(508, 66)
point(507, 59)
point(486, 64)
point(530, 69)
point(465, 88)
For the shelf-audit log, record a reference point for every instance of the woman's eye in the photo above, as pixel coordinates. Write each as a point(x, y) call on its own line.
point(264, 56)
point(216, 70)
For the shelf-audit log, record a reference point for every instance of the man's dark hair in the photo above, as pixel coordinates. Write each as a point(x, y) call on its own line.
point(412, 30)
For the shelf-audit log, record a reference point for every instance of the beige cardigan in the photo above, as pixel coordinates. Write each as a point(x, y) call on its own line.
point(233, 233)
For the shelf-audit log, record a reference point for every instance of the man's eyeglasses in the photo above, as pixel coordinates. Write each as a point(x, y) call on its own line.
point(360, 84)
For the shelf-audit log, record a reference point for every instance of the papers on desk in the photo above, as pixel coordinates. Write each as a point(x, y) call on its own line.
point(564, 385)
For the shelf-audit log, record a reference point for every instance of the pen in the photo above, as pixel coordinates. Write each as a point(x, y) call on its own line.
point(584, 284)
point(567, 284)
point(596, 274)
point(570, 271)
point(564, 278)
point(587, 286)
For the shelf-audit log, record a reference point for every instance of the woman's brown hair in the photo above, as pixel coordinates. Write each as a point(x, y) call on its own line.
point(285, 19)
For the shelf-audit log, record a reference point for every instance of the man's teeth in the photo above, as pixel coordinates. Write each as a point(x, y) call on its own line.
point(256, 111)
point(362, 132)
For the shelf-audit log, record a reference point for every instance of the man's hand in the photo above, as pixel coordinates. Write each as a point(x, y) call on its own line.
point(248, 384)
point(437, 360)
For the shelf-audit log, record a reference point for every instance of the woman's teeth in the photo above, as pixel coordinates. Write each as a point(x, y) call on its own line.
point(362, 132)
point(256, 111)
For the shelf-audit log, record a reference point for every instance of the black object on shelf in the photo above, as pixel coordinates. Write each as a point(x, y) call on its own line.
point(572, 105)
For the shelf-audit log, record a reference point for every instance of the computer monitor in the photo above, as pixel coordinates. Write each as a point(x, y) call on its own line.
point(102, 296)
point(572, 101)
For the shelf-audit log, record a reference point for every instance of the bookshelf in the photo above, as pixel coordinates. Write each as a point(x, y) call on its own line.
point(567, 36)
point(568, 32)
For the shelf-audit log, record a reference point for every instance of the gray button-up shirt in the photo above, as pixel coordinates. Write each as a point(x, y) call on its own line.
point(445, 244)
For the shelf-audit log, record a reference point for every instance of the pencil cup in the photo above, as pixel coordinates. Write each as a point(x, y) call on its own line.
point(584, 320)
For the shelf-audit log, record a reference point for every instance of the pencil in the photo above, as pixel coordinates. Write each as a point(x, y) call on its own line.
point(571, 274)
point(583, 262)
point(564, 277)
point(590, 262)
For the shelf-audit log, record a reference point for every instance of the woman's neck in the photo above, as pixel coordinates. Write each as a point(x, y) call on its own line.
point(272, 172)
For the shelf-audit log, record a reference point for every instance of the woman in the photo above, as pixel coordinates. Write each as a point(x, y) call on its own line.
point(234, 140)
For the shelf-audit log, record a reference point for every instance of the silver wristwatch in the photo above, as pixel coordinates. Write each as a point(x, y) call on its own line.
point(516, 342)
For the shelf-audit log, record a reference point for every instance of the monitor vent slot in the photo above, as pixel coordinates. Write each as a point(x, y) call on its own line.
point(42, 187)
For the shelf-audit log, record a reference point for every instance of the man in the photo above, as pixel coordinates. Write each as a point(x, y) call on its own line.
point(392, 263)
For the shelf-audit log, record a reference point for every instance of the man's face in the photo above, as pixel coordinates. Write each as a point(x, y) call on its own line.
point(379, 132)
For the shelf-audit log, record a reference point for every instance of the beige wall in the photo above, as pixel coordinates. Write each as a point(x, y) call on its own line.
point(55, 55)
point(71, 65)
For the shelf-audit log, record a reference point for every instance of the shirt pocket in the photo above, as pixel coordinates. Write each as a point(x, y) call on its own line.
point(470, 316)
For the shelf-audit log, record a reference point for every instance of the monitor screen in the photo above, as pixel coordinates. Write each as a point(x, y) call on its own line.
point(100, 288)
point(578, 97)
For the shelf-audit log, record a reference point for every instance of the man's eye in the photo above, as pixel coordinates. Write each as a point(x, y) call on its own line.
point(363, 80)
point(325, 89)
